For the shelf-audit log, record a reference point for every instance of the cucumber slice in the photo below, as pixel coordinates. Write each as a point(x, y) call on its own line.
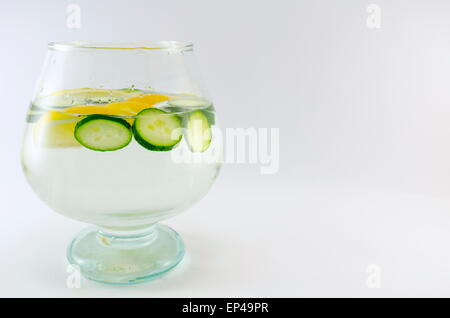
point(187, 104)
point(198, 131)
point(157, 130)
point(209, 113)
point(103, 133)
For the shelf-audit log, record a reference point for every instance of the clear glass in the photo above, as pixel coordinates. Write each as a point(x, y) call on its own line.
point(121, 136)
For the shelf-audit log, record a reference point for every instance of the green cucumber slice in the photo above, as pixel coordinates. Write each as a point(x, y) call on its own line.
point(209, 113)
point(157, 130)
point(103, 133)
point(198, 131)
point(187, 104)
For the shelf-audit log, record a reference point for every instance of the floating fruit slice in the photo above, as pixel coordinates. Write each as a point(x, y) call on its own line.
point(116, 109)
point(191, 103)
point(198, 131)
point(103, 133)
point(150, 99)
point(157, 130)
point(186, 102)
point(85, 96)
point(55, 129)
point(130, 107)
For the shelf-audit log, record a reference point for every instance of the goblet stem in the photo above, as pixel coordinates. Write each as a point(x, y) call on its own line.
point(127, 239)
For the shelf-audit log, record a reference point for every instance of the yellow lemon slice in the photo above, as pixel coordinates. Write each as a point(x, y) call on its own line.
point(129, 107)
point(56, 128)
point(150, 99)
point(118, 109)
point(85, 96)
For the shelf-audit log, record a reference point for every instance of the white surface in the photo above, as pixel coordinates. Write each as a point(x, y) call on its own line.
point(263, 242)
point(364, 165)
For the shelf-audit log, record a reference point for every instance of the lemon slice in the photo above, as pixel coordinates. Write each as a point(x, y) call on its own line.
point(56, 128)
point(149, 100)
point(130, 107)
point(115, 109)
point(85, 96)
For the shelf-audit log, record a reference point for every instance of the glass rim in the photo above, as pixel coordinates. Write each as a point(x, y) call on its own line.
point(178, 46)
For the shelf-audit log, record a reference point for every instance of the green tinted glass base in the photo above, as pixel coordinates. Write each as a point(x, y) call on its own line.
point(114, 258)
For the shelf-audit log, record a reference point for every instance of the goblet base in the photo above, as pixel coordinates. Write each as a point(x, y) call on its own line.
point(117, 258)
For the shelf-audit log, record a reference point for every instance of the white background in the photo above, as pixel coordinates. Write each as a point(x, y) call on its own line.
point(364, 117)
